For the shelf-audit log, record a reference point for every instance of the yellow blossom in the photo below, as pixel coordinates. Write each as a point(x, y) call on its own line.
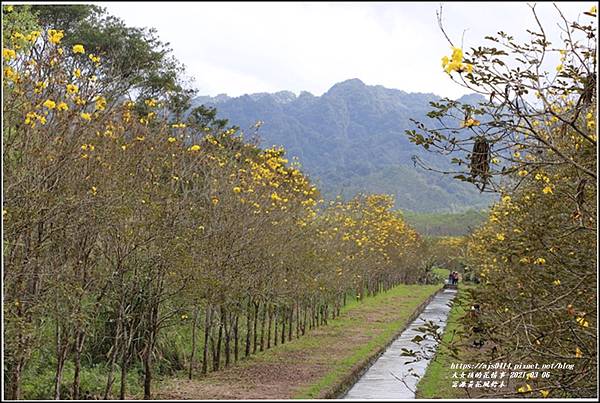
point(86, 116)
point(10, 74)
point(237, 189)
point(50, 104)
point(556, 282)
point(500, 237)
point(540, 261)
point(78, 48)
point(171, 139)
point(55, 36)
point(32, 37)
point(8, 54)
point(100, 103)
point(582, 322)
point(62, 106)
point(77, 73)
point(547, 190)
point(471, 122)
point(195, 147)
point(578, 353)
point(457, 55)
point(72, 89)
point(524, 389)
point(523, 172)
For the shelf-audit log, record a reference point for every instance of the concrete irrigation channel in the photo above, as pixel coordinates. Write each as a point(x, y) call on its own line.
point(394, 376)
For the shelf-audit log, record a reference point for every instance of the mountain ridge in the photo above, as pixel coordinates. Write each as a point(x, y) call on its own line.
point(351, 139)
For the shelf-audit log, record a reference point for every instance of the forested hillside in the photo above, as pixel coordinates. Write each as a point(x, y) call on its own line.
point(351, 139)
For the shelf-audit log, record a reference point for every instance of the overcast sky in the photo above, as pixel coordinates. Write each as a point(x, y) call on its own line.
point(239, 48)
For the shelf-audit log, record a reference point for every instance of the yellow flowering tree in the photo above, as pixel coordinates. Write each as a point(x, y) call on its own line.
point(533, 139)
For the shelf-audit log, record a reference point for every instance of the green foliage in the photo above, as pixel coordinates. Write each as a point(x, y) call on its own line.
point(17, 18)
point(119, 222)
point(135, 61)
point(351, 140)
point(38, 383)
point(534, 141)
point(446, 224)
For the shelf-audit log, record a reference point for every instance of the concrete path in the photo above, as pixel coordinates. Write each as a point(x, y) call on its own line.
point(392, 376)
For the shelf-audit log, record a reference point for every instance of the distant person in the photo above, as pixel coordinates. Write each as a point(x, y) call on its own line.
point(455, 278)
point(451, 278)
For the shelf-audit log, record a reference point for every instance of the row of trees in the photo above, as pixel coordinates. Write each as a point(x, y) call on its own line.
point(535, 142)
point(123, 221)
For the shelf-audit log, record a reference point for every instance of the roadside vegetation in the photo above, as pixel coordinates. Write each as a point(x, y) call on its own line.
point(140, 241)
point(534, 141)
point(319, 365)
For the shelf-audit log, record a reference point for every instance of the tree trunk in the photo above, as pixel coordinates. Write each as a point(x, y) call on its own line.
point(304, 321)
point(291, 323)
point(270, 311)
point(248, 329)
point(225, 320)
point(207, 328)
point(147, 373)
point(124, 364)
point(79, 340)
point(275, 333)
point(217, 360)
point(61, 356)
point(283, 320)
point(15, 379)
point(297, 320)
point(148, 352)
point(262, 327)
point(237, 339)
point(254, 325)
point(193, 353)
point(113, 358)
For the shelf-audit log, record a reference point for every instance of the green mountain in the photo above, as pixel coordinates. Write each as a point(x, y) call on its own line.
point(351, 139)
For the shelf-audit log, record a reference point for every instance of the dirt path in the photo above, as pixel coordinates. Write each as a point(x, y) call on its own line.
point(314, 365)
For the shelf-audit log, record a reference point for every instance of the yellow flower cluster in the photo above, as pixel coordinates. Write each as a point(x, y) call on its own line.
point(471, 122)
point(72, 89)
point(32, 118)
point(100, 103)
point(78, 49)
point(50, 104)
point(8, 54)
point(55, 36)
point(455, 62)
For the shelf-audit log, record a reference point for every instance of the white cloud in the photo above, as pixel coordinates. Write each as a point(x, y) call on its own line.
point(238, 48)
